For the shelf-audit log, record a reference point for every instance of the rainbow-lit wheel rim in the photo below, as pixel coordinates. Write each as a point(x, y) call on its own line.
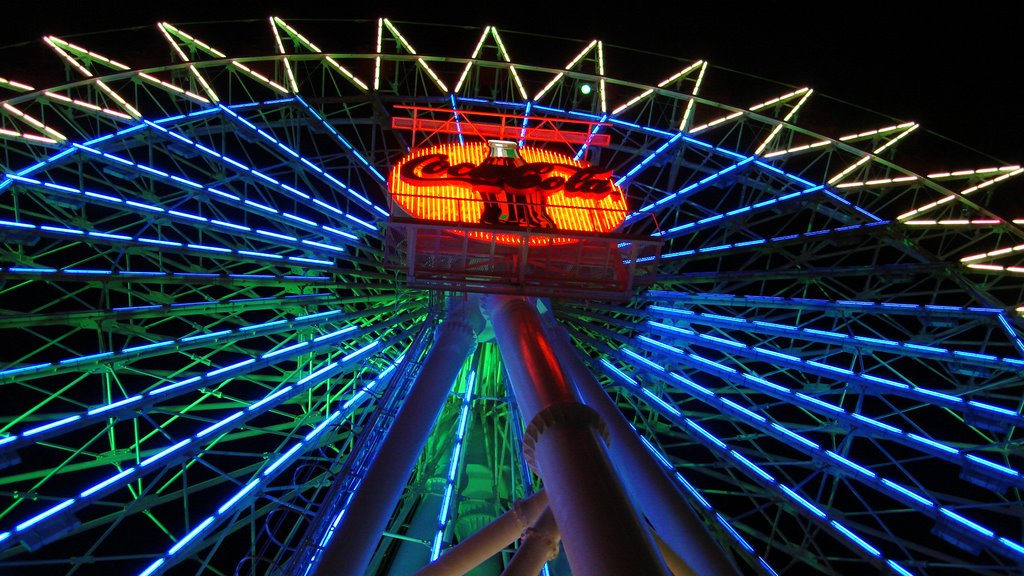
point(202, 346)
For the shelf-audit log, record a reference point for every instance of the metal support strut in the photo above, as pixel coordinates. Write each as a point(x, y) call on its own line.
point(600, 530)
point(540, 544)
point(653, 492)
point(489, 540)
point(352, 546)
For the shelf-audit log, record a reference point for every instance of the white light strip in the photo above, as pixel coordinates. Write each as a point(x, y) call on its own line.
point(314, 48)
point(287, 63)
point(511, 67)
point(419, 60)
point(13, 85)
point(661, 84)
point(778, 127)
point(35, 123)
point(559, 76)
point(476, 54)
point(864, 159)
point(965, 192)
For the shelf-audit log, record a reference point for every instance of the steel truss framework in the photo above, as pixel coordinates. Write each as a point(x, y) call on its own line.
point(202, 348)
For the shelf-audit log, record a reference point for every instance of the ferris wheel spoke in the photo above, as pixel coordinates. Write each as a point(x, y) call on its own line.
point(981, 471)
point(801, 239)
point(117, 164)
point(150, 311)
point(994, 476)
point(980, 413)
point(129, 406)
point(980, 535)
point(264, 211)
point(260, 180)
point(728, 527)
point(823, 518)
point(350, 149)
point(181, 218)
point(855, 342)
point(158, 277)
point(681, 194)
point(304, 164)
point(184, 343)
point(99, 239)
point(184, 450)
point(786, 201)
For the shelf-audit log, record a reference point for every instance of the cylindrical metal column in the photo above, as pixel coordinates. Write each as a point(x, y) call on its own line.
point(601, 533)
point(353, 543)
point(675, 564)
point(489, 540)
point(540, 544)
point(655, 494)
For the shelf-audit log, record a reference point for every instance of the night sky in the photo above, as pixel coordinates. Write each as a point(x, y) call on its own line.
point(952, 67)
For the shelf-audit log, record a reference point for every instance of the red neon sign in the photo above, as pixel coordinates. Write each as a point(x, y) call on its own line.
point(503, 186)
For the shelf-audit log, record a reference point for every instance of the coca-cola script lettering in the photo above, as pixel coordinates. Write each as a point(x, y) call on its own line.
point(435, 169)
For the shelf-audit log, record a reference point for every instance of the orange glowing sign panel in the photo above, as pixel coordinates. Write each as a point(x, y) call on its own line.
point(503, 186)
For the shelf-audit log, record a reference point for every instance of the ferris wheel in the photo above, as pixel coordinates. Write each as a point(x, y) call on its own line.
point(209, 329)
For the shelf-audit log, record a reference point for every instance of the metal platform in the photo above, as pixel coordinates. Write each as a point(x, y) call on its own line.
point(513, 260)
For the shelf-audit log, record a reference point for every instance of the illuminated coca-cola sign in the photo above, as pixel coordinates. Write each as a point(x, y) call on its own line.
point(500, 184)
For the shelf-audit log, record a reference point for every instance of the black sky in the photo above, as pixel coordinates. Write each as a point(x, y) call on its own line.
point(952, 67)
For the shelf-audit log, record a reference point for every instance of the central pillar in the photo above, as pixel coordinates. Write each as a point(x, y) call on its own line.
point(655, 493)
point(601, 532)
point(353, 544)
